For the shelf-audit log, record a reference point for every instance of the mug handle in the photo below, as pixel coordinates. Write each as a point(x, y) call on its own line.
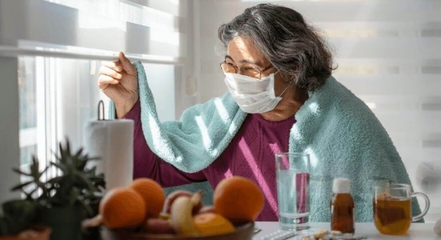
point(426, 198)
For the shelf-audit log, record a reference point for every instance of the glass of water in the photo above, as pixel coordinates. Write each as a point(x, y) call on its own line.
point(292, 171)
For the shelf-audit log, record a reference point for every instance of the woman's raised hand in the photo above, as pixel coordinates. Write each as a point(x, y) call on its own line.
point(119, 81)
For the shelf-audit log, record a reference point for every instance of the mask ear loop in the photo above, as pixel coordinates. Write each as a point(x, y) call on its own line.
point(286, 88)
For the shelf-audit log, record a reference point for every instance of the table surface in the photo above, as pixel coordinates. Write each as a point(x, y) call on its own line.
point(420, 231)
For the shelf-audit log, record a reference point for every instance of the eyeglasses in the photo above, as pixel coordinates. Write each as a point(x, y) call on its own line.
point(247, 70)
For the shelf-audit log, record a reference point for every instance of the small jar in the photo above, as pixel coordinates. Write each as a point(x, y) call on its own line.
point(342, 207)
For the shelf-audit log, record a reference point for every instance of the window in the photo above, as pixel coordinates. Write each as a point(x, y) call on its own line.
point(58, 96)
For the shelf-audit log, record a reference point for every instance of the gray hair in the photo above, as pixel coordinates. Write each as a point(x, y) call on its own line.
point(283, 37)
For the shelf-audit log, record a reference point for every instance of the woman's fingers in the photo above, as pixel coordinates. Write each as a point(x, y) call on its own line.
point(126, 64)
point(104, 81)
point(111, 72)
point(116, 66)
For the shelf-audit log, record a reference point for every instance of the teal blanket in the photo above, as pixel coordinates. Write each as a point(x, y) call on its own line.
point(337, 129)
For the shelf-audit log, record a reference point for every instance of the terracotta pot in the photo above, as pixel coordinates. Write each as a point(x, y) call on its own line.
point(243, 232)
point(34, 233)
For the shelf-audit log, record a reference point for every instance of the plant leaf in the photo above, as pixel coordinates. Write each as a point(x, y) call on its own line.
point(60, 166)
point(20, 172)
point(21, 186)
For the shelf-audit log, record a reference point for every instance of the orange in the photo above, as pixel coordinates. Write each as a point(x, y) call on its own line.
point(122, 208)
point(152, 193)
point(238, 199)
point(212, 223)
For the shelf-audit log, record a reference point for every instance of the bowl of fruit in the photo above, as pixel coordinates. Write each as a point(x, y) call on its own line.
point(142, 211)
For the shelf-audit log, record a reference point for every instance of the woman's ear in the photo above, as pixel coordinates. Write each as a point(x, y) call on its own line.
point(288, 77)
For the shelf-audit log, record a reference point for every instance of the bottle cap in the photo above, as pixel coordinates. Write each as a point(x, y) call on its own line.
point(341, 185)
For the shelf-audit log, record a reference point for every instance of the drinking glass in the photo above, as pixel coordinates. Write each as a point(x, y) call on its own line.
point(393, 208)
point(292, 174)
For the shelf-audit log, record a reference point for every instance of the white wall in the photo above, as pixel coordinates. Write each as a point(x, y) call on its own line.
point(388, 54)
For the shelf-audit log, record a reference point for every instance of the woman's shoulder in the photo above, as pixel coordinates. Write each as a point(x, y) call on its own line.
point(333, 99)
point(336, 113)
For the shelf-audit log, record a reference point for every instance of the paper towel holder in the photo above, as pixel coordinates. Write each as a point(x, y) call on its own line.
point(101, 110)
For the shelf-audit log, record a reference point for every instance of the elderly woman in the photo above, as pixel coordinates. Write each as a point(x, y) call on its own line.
point(281, 98)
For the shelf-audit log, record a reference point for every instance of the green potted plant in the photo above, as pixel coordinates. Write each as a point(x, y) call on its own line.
point(61, 202)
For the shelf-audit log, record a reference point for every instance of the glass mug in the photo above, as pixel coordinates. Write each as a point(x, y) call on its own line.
point(392, 207)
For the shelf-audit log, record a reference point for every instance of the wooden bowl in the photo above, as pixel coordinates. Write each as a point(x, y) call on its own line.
point(243, 232)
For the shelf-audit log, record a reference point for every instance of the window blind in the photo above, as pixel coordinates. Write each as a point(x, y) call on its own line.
point(149, 29)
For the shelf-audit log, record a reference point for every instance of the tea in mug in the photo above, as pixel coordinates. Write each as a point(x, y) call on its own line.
point(392, 215)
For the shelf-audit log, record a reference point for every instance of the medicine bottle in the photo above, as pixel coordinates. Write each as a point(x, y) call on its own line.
point(342, 206)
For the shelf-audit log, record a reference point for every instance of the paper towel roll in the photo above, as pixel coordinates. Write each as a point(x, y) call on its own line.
point(112, 142)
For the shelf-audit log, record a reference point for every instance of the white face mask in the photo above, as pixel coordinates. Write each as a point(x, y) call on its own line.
point(253, 95)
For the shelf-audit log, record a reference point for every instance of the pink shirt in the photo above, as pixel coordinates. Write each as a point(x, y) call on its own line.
point(250, 154)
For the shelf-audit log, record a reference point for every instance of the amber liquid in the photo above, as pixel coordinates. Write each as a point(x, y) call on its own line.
point(342, 213)
point(392, 216)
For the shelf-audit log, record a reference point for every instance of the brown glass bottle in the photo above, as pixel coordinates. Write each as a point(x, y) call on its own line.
point(342, 207)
